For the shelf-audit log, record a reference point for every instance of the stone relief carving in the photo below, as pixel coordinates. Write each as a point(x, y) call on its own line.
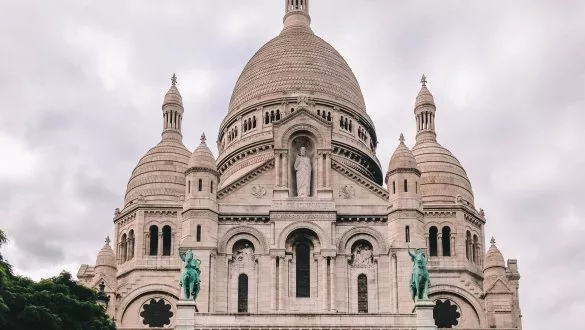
point(347, 191)
point(303, 173)
point(243, 253)
point(362, 255)
point(258, 191)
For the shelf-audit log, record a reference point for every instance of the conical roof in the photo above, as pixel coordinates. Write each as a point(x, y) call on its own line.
point(106, 256)
point(402, 158)
point(202, 158)
point(493, 257)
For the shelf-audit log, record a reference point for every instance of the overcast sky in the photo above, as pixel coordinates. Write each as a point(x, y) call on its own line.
point(82, 82)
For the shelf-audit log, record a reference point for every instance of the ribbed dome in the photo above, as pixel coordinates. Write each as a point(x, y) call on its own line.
point(160, 174)
point(202, 157)
point(173, 96)
point(106, 257)
point(443, 178)
point(402, 158)
point(297, 61)
point(494, 257)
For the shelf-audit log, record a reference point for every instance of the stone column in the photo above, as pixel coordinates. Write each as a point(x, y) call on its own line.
point(284, 175)
point(439, 244)
point(328, 169)
point(453, 248)
point(160, 243)
point(322, 281)
point(319, 169)
point(332, 286)
point(277, 167)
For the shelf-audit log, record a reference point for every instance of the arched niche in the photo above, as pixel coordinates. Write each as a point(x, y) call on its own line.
point(300, 140)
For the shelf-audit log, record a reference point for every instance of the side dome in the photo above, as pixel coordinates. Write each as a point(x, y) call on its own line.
point(493, 257)
point(443, 178)
point(297, 61)
point(160, 174)
point(202, 158)
point(402, 160)
point(106, 256)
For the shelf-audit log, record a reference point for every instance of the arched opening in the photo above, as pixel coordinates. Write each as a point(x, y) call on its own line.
point(198, 234)
point(445, 314)
point(200, 186)
point(446, 238)
point(153, 231)
point(393, 187)
point(243, 293)
point(131, 244)
point(362, 287)
point(123, 250)
point(468, 245)
point(254, 122)
point(166, 231)
point(277, 114)
point(407, 233)
point(433, 231)
point(266, 119)
point(303, 269)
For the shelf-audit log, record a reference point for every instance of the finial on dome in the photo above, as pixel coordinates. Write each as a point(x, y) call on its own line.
point(203, 138)
point(401, 139)
point(493, 241)
point(174, 80)
point(108, 240)
point(423, 80)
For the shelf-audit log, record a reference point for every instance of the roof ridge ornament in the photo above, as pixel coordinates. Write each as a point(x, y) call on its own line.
point(401, 139)
point(493, 241)
point(174, 79)
point(107, 240)
point(423, 80)
point(203, 138)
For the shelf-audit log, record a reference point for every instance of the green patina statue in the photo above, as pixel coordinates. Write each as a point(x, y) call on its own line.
point(419, 279)
point(190, 276)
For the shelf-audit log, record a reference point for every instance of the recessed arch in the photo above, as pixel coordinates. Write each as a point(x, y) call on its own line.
point(362, 232)
point(443, 291)
point(285, 233)
point(243, 232)
point(141, 291)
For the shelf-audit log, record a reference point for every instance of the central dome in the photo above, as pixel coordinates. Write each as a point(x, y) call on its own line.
point(297, 61)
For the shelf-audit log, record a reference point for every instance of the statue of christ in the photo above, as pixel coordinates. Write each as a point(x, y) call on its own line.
point(303, 173)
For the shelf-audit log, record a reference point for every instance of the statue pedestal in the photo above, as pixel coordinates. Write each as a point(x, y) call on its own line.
point(424, 315)
point(185, 319)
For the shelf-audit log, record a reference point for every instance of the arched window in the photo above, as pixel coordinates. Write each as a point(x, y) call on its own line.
point(245, 125)
point(272, 116)
point(188, 186)
point(362, 287)
point(433, 231)
point(166, 231)
point(341, 122)
point(446, 238)
point(393, 187)
point(153, 240)
point(200, 185)
point(243, 293)
point(318, 112)
point(475, 249)
point(254, 122)
point(211, 186)
point(131, 244)
point(416, 188)
point(303, 270)
point(277, 114)
point(405, 185)
point(468, 245)
point(198, 234)
point(350, 126)
point(123, 244)
point(266, 119)
point(292, 110)
point(407, 233)
point(328, 116)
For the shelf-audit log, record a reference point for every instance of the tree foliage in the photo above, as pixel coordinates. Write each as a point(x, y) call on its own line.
point(57, 303)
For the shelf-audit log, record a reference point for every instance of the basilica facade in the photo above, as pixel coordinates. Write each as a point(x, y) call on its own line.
point(294, 221)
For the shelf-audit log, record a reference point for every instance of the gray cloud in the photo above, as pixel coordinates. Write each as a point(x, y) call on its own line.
point(82, 83)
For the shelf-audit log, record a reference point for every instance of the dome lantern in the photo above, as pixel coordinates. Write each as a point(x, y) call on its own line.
point(172, 112)
point(296, 13)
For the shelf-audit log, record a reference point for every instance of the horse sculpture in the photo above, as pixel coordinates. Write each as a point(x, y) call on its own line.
point(419, 279)
point(190, 276)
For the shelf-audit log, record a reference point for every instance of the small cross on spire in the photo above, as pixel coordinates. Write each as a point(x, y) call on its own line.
point(423, 80)
point(493, 241)
point(108, 240)
point(203, 138)
point(401, 139)
point(174, 79)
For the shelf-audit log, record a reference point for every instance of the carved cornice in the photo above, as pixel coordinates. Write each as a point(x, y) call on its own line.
point(129, 218)
point(362, 218)
point(245, 151)
point(321, 216)
point(358, 178)
point(244, 218)
point(262, 168)
point(440, 214)
point(160, 213)
point(199, 214)
point(201, 169)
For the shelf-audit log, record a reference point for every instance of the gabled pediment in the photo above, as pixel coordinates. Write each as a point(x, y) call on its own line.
point(302, 120)
point(246, 178)
point(499, 286)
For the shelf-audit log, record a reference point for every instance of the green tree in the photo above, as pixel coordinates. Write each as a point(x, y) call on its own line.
point(57, 303)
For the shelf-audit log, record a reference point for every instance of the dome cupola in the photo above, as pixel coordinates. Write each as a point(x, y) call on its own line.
point(106, 257)
point(493, 257)
point(202, 158)
point(443, 179)
point(159, 176)
point(402, 159)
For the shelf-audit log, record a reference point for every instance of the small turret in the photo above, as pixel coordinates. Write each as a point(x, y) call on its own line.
point(424, 110)
point(403, 178)
point(172, 112)
point(296, 13)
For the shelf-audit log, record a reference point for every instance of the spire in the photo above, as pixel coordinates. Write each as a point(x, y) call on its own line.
point(296, 13)
point(424, 110)
point(172, 112)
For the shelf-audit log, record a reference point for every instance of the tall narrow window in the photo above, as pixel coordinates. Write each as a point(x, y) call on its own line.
point(468, 245)
point(189, 187)
point(123, 249)
point(243, 293)
point(198, 234)
point(211, 186)
point(153, 240)
point(362, 282)
point(200, 187)
point(166, 231)
point(416, 188)
point(130, 244)
point(407, 233)
point(433, 231)
point(303, 270)
point(446, 233)
point(405, 185)
point(393, 187)
point(475, 249)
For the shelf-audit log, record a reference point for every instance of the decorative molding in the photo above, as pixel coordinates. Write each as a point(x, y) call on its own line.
point(262, 168)
point(323, 216)
point(244, 218)
point(160, 213)
point(360, 179)
point(360, 218)
point(258, 191)
point(201, 169)
point(440, 214)
point(347, 191)
point(129, 218)
point(199, 214)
